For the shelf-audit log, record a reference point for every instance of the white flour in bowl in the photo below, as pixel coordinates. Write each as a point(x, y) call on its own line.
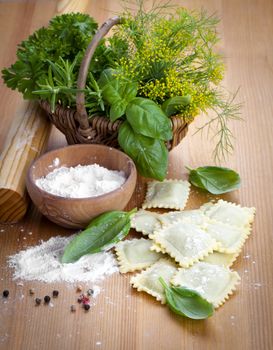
point(81, 181)
point(42, 263)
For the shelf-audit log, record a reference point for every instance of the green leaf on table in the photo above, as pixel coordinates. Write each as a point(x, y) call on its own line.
point(101, 234)
point(148, 119)
point(216, 180)
point(186, 302)
point(171, 106)
point(150, 155)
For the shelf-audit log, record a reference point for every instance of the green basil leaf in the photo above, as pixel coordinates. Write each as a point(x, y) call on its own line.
point(186, 302)
point(117, 110)
point(216, 180)
point(170, 106)
point(128, 90)
point(150, 155)
point(116, 92)
point(102, 233)
point(110, 92)
point(106, 77)
point(147, 118)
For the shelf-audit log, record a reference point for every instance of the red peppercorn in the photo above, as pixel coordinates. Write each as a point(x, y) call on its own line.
point(85, 300)
point(55, 293)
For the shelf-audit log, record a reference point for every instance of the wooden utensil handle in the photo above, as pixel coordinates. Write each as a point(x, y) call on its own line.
point(81, 82)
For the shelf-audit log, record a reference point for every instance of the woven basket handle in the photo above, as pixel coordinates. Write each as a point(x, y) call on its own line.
point(81, 82)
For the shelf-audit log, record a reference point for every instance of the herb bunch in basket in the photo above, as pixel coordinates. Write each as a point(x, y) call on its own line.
point(145, 83)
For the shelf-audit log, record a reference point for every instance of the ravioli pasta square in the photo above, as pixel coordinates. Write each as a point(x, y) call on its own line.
point(214, 283)
point(158, 248)
point(229, 213)
point(185, 242)
point(230, 238)
point(170, 194)
point(196, 216)
point(204, 207)
point(135, 254)
point(222, 259)
point(145, 221)
point(148, 280)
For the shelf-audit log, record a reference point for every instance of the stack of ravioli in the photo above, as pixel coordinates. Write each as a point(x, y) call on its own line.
point(189, 248)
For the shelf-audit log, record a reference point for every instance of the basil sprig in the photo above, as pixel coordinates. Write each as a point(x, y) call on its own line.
point(102, 233)
point(216, 180)
point(186, 302)
point(145, 129)
point(148, 119)
point(116, 92)
point(149, 154)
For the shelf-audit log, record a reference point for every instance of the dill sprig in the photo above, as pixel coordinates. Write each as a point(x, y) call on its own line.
point(224, 112)
point(171, 52)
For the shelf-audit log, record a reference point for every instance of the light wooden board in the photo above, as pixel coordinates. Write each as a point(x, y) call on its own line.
point(122, 318)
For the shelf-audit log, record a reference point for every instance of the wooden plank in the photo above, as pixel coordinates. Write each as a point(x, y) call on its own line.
point(122, 318)
point(27, 138)
point(27, 129)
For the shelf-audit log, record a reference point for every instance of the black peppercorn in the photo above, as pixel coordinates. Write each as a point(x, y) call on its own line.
point(47, 299)
point(86, 307)
point(38, 301)
point(5, 293)
point(55, 293)
point(90, 292)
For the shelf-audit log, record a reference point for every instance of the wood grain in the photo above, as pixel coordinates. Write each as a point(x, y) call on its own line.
point(28, 136)
point(121, 318)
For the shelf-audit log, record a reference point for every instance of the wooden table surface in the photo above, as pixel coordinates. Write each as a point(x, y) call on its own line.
point(121, 318)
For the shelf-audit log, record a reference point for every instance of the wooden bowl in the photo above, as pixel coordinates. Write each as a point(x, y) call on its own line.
point(78, 212)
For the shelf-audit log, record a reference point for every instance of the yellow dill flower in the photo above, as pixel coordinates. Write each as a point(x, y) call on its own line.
point(168, 58)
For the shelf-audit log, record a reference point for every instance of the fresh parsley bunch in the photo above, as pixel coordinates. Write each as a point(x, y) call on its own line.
point(66, 37)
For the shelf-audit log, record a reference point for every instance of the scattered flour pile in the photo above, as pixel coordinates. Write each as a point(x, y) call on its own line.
point(81, 181)
point(42, 263)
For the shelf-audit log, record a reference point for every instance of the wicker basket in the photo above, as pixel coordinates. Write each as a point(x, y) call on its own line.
point(75, 123)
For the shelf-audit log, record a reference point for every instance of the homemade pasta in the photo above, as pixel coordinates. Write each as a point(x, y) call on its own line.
point(230, 238)
point(135, 254)
point(229, 213)
point(148, 280)
point(170, 194)
point(213, 282)
point(222, 259)
point(196, 216)
point(185, 242)
point(145, 221)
